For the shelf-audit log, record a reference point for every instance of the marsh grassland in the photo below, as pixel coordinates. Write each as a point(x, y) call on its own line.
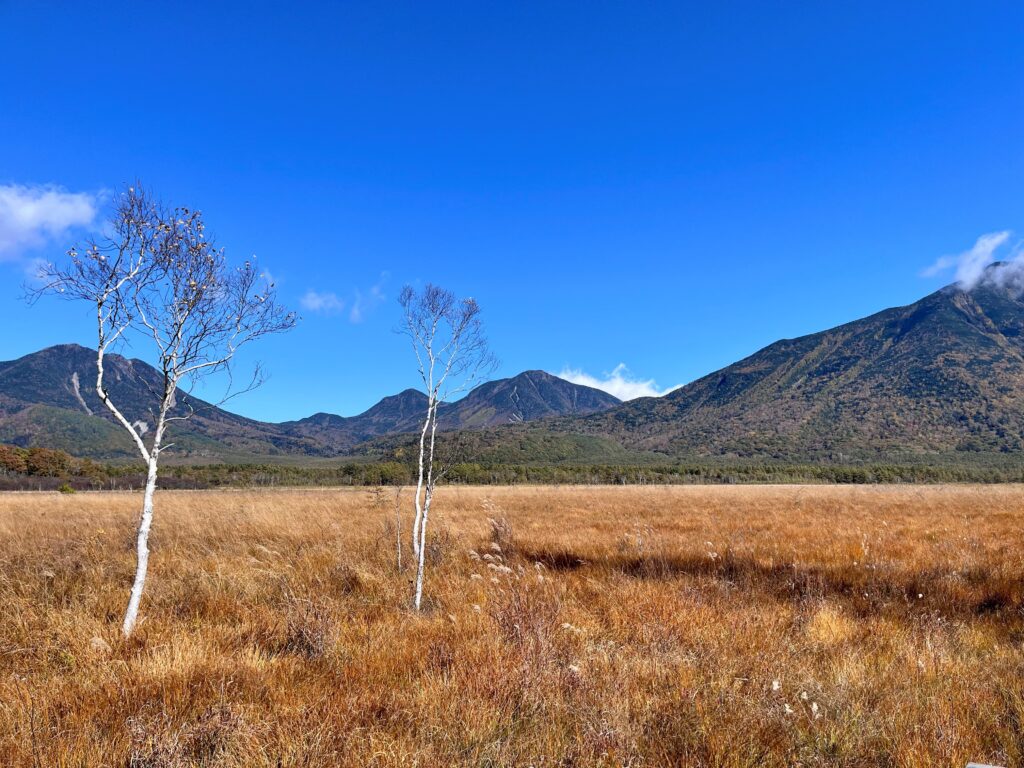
point(644, 626)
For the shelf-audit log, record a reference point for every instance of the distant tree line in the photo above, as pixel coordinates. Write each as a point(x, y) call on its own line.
point(46, 469)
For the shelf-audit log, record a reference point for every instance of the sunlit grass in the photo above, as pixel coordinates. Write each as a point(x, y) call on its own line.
point(725, 626)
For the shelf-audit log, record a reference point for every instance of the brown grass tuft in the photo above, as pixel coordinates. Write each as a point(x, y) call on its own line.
point(155, 742)
point(830, 626)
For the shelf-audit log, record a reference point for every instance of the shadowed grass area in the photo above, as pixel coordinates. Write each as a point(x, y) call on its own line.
point(866, 590)
point(726, 626)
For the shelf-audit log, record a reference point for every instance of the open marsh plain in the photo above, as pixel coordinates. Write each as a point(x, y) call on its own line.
point(584, 626)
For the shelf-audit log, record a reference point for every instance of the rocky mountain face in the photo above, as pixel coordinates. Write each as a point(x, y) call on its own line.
point(527, 397)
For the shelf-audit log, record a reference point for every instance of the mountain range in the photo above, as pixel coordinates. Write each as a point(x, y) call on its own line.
point(524, 398)
point(48, 398)
point(942, 377)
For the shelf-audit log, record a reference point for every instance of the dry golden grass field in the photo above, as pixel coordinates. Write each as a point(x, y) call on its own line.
point(653, 626)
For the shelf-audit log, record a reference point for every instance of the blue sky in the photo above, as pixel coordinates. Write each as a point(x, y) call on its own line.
point(665, 186)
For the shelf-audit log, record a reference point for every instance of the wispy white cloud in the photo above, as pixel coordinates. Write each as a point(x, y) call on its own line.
point(360, 305)
point(970, 265)
point(33, 216)
point(322, 303)
point(363, 304)
point(620, 382)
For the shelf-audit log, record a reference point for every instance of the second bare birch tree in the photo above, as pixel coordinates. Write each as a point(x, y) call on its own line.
point(452, 356)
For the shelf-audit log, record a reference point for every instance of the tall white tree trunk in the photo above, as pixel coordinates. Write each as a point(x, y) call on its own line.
point(422, 554)
point(417, 519)
point(141, 550)
point(151, 457)
point(427, 499)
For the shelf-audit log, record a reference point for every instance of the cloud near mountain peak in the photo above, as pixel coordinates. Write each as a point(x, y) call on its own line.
point(620, 383)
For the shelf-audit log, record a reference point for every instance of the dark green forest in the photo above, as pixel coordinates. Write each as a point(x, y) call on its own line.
point(46, 469)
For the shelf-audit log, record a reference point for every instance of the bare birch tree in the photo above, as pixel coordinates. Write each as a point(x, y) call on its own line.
point(157, 278)
point(452, 356)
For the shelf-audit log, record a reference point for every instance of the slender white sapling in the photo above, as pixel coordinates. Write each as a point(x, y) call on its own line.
point(452, 356)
